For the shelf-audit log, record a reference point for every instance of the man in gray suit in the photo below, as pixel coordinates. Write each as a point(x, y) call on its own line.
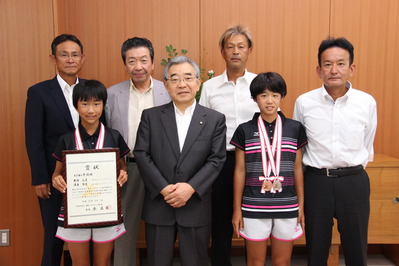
point(180, 152)
point(126, 101)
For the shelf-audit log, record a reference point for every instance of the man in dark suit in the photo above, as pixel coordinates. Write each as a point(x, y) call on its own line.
point(180, 152)
point(50, 114)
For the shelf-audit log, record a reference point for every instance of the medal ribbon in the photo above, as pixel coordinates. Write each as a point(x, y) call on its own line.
point(273, 151)
point(100, 140)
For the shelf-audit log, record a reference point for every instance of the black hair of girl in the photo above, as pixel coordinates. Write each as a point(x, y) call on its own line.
point(271, 81)
point(87, 90)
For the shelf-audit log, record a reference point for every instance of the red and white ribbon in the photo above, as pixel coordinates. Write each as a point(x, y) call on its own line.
point(273, 152)
point(100, 140)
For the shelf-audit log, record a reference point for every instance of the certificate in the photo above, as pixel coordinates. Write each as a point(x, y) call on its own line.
point(92, 197)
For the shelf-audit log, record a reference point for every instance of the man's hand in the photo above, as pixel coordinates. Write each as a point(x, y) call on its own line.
point(166, 191)
point(43, 191)
point(179, 195)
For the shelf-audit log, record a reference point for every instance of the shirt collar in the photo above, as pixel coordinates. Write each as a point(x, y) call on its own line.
point(327, 97)
point(63, 82)
point(132, 87)
point(189, 110)
point(84, 135)
point(272, 123)
point(246, 77)
point(283, 118)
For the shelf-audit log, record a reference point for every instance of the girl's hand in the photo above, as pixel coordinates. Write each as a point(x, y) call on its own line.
point(238, 223)
point(301, 218)
point(59, 183)
point(123, 176)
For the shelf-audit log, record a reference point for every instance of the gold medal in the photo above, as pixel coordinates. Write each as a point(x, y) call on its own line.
point(267, 185)
point(277, 185)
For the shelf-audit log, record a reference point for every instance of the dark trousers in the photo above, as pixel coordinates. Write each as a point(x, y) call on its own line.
point(52, 246)
point(193, 244)
point(222, 212)
point(345, 198)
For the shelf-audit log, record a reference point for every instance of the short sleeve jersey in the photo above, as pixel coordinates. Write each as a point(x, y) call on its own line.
point(282, 204)
point(112, 139)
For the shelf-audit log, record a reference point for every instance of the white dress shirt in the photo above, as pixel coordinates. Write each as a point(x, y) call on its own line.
point(183, 121)
point(231, 99)
point(138, 101)
point(68, 91)
point(340, 133)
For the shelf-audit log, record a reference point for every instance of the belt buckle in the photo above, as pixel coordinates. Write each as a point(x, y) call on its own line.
point(331, 175)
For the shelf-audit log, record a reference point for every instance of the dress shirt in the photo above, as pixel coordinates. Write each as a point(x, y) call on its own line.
point(138, 101)
point(340, 133)
point(183, 121)
point(231, 99)
point(68, 91)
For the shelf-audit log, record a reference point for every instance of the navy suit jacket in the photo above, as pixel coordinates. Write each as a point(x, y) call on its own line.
point(161, 163)
point(47, 117)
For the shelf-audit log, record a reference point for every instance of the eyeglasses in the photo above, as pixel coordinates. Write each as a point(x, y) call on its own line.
point(65, 56)
point(175, 80)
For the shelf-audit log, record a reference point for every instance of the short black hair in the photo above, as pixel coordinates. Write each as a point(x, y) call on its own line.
point(63, 38)
point(87, 90)
point(137, 42)
point(338, 42)
point(271, 81)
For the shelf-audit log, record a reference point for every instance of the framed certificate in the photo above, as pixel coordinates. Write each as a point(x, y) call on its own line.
point(92, 197)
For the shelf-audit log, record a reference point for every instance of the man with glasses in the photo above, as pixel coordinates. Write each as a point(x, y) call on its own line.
point(180, 152)
point(126, 101)
point(50, 114)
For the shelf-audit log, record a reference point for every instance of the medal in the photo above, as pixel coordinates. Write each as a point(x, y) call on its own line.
point(267, 185)
point(277, 185)
point(271, 156)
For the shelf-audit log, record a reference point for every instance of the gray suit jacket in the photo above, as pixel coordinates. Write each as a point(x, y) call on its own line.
point(117, 107)
point(161, 163)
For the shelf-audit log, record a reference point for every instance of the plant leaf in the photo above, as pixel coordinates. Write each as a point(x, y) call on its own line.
point(169, 48)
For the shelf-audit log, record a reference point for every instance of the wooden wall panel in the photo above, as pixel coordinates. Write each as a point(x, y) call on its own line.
point(25, 37)
point(286, 36)
point(384, 183)
point(104, 25)
point(373, 28)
